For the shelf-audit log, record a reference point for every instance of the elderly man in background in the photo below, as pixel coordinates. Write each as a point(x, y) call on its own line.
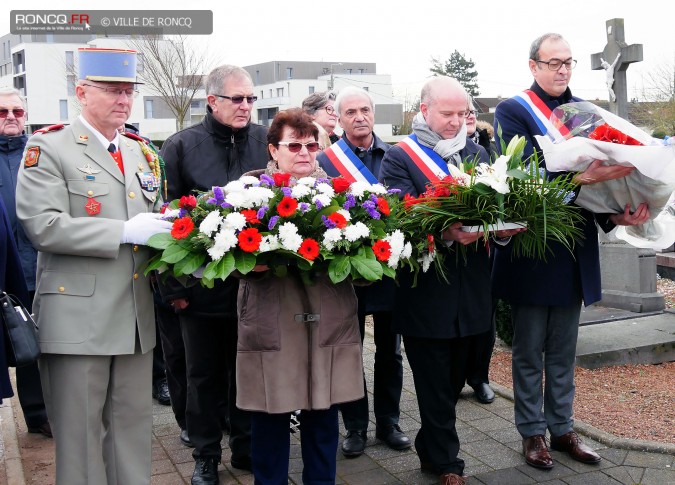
point(86, 197)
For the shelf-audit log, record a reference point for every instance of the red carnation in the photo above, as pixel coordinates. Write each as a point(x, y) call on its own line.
point(382, 250)
point(409, 201)
point(182, 228)
point(309, 249)
point(431, 245)
point(340, 184)
point(249, 240)
point(383, 206)
point(287, 207)
point(282, 179)
point(187, 202)
point(338, 219)
point(251, 216)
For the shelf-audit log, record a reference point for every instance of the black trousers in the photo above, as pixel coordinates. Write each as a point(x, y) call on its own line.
point(173, 350)
point(478, 360)
point(388, 377)
point(211, 354)
point(439, 371)
point(29, 390)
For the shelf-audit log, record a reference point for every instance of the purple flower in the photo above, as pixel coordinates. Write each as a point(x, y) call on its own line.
point(393, 191)
point(226, 205)
point(261, 212)
point(322, 181)
point(371, 208)
point(266, 180)
point(350, 202)
point(273, 222)
point(328, 223)
point(318, 204)
point(218, 194)
point(182, 213)
point(211, 201)
point(304, 206)
point(287, 191)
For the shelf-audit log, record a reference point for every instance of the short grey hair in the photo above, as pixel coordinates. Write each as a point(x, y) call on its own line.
point(315, 101)
point(350, 91)
point(217, 77)
point(10, 91)
point(536, 44)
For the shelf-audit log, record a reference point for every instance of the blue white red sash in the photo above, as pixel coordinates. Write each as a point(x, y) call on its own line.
point(430, 163)
point(348, 164)
point(541, 115)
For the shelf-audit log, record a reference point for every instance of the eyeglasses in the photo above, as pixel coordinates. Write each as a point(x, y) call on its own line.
point(115, 92)
point(329, 109)
point(556, 64)
point(295, 147)
point(471, 112)
point(239, 99)
point(17, 112)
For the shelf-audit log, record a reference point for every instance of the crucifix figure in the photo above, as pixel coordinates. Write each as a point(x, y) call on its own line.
point(623, 55)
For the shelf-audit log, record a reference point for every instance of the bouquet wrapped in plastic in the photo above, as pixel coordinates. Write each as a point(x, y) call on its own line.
point(588, 133)
point(320, 225)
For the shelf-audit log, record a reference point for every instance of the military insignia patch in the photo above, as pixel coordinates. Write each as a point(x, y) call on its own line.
point(32, 156)
point(92, 206)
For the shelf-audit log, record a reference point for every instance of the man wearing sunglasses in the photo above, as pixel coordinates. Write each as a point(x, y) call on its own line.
point(214, 152)
point(12, 142)
point(357, 157)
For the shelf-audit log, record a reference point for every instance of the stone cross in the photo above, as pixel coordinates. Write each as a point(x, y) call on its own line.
point(614, 59)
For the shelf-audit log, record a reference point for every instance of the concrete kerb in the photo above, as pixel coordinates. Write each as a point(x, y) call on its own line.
point(12, 457)
point(602, 436)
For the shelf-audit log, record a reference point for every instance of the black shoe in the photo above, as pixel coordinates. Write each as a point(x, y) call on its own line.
point(185, 438)
point(206, 471)
point(160, 391)
point(44, 429)
point(241, 463)
point(484, 393)
point(354, 444)
point(393, 436)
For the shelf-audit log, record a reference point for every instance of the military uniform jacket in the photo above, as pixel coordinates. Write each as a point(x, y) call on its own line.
point(91, 295)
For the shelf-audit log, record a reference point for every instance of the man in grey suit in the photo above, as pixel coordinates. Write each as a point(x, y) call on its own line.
point(86, 197)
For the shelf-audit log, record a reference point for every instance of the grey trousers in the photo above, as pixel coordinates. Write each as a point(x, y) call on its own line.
point(544, 342)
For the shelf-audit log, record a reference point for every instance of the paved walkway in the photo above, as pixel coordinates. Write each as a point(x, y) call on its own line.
point(490, 446)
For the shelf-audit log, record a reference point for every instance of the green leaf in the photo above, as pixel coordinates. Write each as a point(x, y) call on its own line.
point(369, 269)
point(220, 269)
point(161, 241)
point(174, 254)
point(244, 262)
point(189, 264)
point(339, 268)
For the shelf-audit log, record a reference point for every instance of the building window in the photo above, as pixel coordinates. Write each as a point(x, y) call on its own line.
point(366, 88)
point(280, 92)
point(149, 109)
point(49, 38)
point(262, 94)
point(70, 61)
point(289, 73)
point(63, 109)
point(271, 95)
point(361, 71)
point(257, 77)
point(70, 80)
point(311, 90)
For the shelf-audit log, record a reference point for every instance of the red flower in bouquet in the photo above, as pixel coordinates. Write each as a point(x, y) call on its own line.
point(182, 228)
point(309, 249)
point(383, 206)
point(282, 179)
point(382, 250)
point(187, 202)
point(431, 245)
point(249, 240)
point(251, 216)
point(409, 201)
point(340, 184)
point(287, 206)
point(612, 135)
point(338, 219)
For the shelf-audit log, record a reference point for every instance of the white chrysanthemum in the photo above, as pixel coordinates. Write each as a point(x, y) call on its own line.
point(345, 213)
point(356, 231)
point(287, 229)
point(223, 242)
point(211, 223)
point(258, 196)
point(494, 175)
point(309, 181)
point(396, 241)
point(298, 191)
point(249, 180)
point(331, 237)
point(290, 239)
point(407, 250)
point(325, 188)
point(426, 261)
point(323, 199)
point(234, 186)
point(357, 189)
point(237, 200)
point(235, 221)
point(269, 243)
point(377, 189)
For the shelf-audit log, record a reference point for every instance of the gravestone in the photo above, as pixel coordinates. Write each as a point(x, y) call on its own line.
point(628, 273)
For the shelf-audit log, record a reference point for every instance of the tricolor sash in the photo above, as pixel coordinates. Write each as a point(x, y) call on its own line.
point(541, 114)
point(348, 164)
point(430, 163)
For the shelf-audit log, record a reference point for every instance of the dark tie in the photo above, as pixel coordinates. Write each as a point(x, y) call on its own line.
point(111, 148)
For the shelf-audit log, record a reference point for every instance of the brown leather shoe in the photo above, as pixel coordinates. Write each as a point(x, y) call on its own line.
point(451, 479)
point(572, 444)
point(536, 452)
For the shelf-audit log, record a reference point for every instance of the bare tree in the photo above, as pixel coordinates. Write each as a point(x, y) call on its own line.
point(658, 90)
point(174, 69)
point(411, 106)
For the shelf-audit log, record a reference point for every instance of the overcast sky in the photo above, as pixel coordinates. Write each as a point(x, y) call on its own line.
point(402, 37)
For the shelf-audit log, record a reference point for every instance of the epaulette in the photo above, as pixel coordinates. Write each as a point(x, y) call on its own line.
point(50, 128)
point(134, 136)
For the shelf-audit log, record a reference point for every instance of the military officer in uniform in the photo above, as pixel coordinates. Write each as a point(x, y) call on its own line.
point(86, 197)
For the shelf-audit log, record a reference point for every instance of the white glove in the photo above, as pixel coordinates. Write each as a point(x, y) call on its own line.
point(141, 227)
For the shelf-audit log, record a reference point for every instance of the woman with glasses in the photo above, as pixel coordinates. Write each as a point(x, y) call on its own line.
point(320, 107)
point(299, 345)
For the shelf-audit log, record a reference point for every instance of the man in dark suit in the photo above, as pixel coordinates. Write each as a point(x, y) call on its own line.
point(546, 296)
point(439, 319)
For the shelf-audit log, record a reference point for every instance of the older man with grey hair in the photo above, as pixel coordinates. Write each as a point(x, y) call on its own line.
point(357, 157)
